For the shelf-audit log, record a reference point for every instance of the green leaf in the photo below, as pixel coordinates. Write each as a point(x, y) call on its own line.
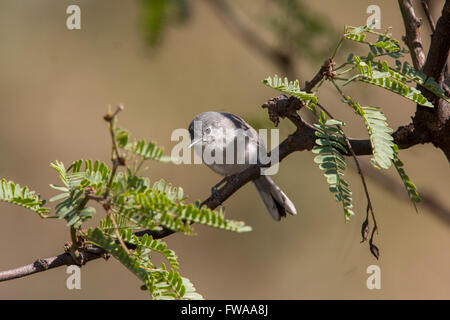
point(22, 196)
point(406, 73)
point(59, 196)
point(59, 167)
point(95, 174)
point(163, 206)
point(212, 218)
point(292, 88)
point(80, 175)
point(329, 148)
point(334, 122)
point(160, 282)
point(148, 151)
point(399, 88)
point(384, 45)
point(379, 133)
point(122, 137)
point(388, 80)
point(409, 186)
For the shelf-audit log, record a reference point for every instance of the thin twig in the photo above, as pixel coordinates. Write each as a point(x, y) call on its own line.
point(239, 26)
point(64, 259)
point(412, 38)
point(365, 224)
point(116, 158)
point(435, 122)
point(426, 9)
point(116, 231)
point(326, 71)
point(369, 209)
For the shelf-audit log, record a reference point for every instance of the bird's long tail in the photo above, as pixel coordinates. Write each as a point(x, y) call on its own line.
point(275, 201)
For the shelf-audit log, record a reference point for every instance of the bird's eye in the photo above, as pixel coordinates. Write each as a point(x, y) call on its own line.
point(208, 130)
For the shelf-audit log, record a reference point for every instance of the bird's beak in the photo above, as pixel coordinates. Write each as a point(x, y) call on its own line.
point(194, 143)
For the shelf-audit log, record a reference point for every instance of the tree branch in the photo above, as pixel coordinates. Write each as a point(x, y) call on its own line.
point(435, 122)
point(426, 9)
point(241, 28)
point(65, 259)
point(412, 38)
point(439, 47)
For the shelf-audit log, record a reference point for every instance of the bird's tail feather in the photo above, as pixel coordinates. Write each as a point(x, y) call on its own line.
point(275, 201)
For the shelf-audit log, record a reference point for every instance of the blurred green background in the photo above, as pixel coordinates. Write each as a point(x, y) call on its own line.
point(56, 84)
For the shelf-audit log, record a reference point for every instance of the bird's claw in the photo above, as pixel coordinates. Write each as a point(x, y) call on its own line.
point(215, 194)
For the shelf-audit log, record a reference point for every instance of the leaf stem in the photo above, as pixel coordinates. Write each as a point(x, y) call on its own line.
point(116, 158)
point(116, 231)
point(373, 248)
point(345, 71)
point(337, 47)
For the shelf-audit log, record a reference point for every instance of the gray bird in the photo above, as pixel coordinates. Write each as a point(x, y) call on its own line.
point(215, 131)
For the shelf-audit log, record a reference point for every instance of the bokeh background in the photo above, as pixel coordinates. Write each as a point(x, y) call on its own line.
point(56, 84)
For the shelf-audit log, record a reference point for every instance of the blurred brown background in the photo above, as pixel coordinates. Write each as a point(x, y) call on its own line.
point(56, 84)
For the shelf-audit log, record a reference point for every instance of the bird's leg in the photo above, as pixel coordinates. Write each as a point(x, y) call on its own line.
point(215, 188)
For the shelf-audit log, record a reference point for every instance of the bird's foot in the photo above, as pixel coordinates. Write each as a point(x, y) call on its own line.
point(215, 195)
point(215, 190)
